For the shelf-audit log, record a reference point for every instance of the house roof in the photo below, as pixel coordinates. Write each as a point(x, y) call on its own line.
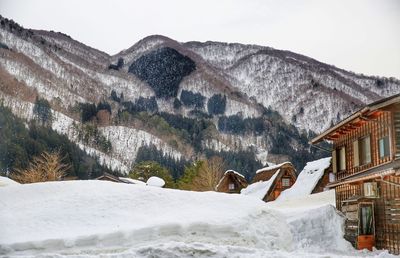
point(359, 114)
point(261, 188)
point(236, 175)
point(266, 173)
point(308, 179)
point(108, 176)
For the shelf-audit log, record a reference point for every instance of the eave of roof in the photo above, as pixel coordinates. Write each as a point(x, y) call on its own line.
point(368, 108)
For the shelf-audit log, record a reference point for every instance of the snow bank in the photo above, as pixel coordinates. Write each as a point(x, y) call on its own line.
point(155, 181)
point(259, 189)
point(103, 219)
point(307, 179)
point(74, 215)
point(5, 181)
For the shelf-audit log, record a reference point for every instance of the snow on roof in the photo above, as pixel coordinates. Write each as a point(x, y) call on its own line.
point(226, 172)
point(233, 171)
point(259, 189)
point(272, 167)
point(155, 181)
point(131, 181)
point(5, 181)
point(307, 179)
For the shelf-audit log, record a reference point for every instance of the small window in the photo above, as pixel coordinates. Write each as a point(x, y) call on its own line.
point(370, 189)
point(231, 186)
point(365, 150)
point(285, 181)
point(332, 177)
point(341, 163)
point(384, 147)
point(356, 154)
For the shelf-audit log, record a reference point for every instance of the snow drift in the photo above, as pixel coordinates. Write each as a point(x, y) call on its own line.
point(100, 218)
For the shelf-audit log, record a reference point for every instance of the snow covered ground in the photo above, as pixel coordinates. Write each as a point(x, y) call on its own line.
point(100, 218)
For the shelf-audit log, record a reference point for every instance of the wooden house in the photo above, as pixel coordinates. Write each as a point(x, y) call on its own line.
point(276, 179)
point(109, 177)
point(314, 178)
point(366, 169)
point(231, 182)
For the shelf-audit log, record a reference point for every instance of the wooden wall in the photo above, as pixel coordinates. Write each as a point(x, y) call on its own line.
point(376, 129)
point(323, 181)
point(387, 212)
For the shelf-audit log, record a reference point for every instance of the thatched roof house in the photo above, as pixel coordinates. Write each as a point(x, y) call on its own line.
point(269, 182)
point(126, 180)
point(109, 177)
point(312, 179)
point(231, 182)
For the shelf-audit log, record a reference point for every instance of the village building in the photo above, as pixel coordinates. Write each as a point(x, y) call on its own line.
point(314, 178)
point(110, 177)
point(269, 182)
point(366, 168)
point(231, 182)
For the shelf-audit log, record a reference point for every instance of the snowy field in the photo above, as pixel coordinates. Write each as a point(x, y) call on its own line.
point(100, 218)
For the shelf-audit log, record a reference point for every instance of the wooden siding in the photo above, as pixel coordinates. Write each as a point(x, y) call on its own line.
point(386, 209)
point(321, 185)
point(396, 121)
point(231, 178)
point(277, 186)
point(377, 129)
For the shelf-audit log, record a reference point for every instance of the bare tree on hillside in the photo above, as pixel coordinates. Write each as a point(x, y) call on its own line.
point(209, 174)
point(46, 167)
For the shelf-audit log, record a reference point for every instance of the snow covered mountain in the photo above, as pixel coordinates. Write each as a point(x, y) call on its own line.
point(186, 99)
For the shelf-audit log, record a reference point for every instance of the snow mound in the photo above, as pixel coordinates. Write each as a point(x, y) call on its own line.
point(155, 181)
point(259, 189)
point(5, 181)
point(105, 214)
point(102, 219)
point(307, 179)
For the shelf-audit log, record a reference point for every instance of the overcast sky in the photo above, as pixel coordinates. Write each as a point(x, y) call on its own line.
point(358, 35)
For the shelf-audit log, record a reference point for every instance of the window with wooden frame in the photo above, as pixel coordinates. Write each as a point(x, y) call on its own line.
point(341, 158)
point(365, 150)
point(285, 182)
point(384, 149)
point(356, 154)
point(231, 186)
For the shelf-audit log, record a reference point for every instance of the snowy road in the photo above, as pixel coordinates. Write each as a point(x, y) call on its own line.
point(97, 218)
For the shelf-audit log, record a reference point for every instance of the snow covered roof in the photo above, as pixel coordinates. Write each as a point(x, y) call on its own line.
point(5, 181)
point(155, 181)
point(261, 188)
point(230, 172)
point(234, 172)
point(131, 181)
point(307, 180)
point(272, 167)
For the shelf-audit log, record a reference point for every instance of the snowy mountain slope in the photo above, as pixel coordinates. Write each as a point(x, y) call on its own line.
point(309, 94)
point(293, 84)
point(129, 220)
